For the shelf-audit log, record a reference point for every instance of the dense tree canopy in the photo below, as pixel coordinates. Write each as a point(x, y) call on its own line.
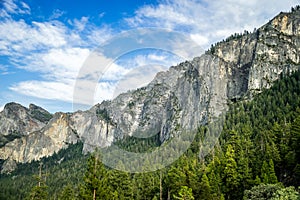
point(257, 156)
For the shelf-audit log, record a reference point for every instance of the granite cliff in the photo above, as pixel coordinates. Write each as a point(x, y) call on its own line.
point(182, 98)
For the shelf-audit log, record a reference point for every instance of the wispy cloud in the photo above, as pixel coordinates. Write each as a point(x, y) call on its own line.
point(58, 51)
point(208, 21)
point(45, 90)
point(1, 108)
point(50, 48)
point(13, 7)
point(56, 14)
point(80, 24)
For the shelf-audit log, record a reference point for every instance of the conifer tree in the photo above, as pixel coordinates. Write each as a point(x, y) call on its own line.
point(120, 182)
point(205, 188)
point(272, 175)
point(185, 193)
point(265, 173)
point(67, 193)
point(39, 192)
point(95, 180)
point(230, 173)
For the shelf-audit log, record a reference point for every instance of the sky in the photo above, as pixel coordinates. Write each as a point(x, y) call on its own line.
point(49, 50)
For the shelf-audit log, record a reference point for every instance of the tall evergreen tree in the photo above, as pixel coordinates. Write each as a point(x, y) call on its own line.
point(265, 173)
point(120, 183)
point(39, 192)
point(95, 180)
point(205, 188)
point(230, 173)
point(67, 193)
point(185, 193)
point(272, 174)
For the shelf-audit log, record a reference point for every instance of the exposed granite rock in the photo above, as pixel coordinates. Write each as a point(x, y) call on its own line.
point(57, 134)
point(8, 166)
point(20, 120)
point(179, 99)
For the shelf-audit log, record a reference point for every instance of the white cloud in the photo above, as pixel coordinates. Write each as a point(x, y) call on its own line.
point(102, 78)
point(199, 39)
point(50, 48)
point(97, 36)
point(80, 24)
point(45, 90)
point(13, 7)
point(137, 78)
point(101, 14)
point(58, 64)
point(157, 57)
point(56, 14)
point(4, 70)
point(18, 37)
point(58, 51)
point(1, 107)
point(3, 67)
point(209, 21)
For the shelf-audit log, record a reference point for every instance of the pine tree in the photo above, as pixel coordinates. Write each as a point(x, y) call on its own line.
point(215, 183)
point(230, 173)
point(244, 171)
point(39, 192)
point(295, 133)
point(67, 193)
point(175, 180)
point(272, 175)
point(95, 180)
point(257, 180)
point(185, 193)
point(145, 184)
point(205, 188)
point(265, 173)
point(120, 182)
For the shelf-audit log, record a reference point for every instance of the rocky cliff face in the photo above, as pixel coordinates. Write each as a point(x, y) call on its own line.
point(179, 99)
point(21, 121)
point(259, 58)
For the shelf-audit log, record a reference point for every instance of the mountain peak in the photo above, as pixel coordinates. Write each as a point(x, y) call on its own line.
point(286, 22)
point(13, 105)
point(184, 97)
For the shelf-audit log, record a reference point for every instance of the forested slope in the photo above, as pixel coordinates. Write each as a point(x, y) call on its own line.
point(259, 148)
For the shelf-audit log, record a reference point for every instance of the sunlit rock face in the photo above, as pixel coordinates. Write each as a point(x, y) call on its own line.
point(181, 98)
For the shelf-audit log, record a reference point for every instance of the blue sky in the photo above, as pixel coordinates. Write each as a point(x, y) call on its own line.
point(44, 44)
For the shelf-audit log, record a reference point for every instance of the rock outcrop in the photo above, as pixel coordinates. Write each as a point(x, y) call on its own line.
point(179, 99)
point(21, 121)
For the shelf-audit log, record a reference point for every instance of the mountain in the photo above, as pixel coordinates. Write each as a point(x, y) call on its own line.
point(182, 98)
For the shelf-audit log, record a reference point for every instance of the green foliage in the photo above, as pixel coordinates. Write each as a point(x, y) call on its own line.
point(272, 192)
point(185, 193)
point(288, 193)
point(38, 193)
point(139, 145)
point(206, 192)
point(67, 193)
point(103, 114)
point(41, 116)
point(4, 139)
point(230, 175)
point(261, 192)
point(120, 183)
point(259, 146)
point(63, 168)
point(95, 180)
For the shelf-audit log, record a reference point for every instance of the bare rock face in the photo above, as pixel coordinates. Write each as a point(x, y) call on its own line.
point(20, 120)
point(181, 98)
point(57, 134)
point(8, 166)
